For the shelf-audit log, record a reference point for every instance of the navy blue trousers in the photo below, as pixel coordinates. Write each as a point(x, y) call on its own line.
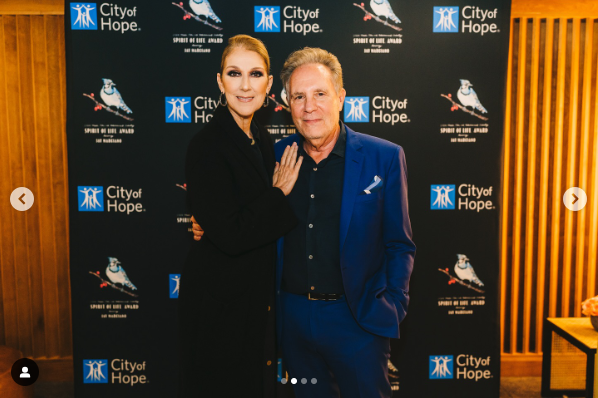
point(322, 342)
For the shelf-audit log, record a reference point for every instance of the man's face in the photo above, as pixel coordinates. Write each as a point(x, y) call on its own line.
point(315, 104)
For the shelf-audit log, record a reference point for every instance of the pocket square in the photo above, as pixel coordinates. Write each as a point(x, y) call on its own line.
point(374, 185)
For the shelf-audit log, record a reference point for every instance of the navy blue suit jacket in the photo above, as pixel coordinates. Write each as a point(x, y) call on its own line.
point(376, 247)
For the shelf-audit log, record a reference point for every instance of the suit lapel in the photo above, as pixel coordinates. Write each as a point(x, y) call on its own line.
point(353, 167)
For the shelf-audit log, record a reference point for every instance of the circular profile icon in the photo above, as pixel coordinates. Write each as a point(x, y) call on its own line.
point(24, 372)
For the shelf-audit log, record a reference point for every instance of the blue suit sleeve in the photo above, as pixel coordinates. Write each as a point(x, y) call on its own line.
point(399, 246)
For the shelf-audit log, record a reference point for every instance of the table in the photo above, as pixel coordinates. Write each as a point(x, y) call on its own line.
point(569, 346)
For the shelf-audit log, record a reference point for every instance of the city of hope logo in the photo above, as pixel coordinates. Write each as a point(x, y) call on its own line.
point(84, 16)
point(446, 19)
point(442, 197)
point(95, 371)
point(266, 18)
point(175, 283)
point(357, 109)
point(441, 366)
point(178, 109)
point(90, 198)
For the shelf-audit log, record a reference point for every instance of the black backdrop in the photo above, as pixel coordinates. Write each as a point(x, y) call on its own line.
point(127, 183)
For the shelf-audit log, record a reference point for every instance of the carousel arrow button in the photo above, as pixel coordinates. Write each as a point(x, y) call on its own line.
point(22, 199)
point(575, 199)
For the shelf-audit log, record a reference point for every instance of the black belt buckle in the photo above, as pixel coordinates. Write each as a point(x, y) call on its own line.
point(324, 296)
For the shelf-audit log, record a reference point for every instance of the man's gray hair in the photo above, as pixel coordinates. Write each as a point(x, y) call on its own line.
point(310, 55)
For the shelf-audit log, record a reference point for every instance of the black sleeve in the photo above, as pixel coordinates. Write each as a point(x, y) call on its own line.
point(230, 227)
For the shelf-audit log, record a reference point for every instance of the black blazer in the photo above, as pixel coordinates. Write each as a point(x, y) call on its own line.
point(227, 285)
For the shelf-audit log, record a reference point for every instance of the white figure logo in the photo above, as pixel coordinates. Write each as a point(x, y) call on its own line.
point(356, 112)
point(95, 371)
point(441, 370)
point(176, 288)
point(446, 19)
point(90, 201)
point(267, 21)
point(83, 17)
point(178, 109)
point(442, 196)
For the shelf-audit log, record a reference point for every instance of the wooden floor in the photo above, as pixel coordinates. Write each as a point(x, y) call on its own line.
point(54, 389)
point(520, 387)
point(511, 387)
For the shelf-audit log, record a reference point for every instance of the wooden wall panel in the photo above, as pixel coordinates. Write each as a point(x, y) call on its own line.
point(34, 269)
point(549, 253)
point(8, 308)
point(32, 7)
point(554, 8)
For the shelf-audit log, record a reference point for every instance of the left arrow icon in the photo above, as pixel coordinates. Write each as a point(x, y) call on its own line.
point(16, 199)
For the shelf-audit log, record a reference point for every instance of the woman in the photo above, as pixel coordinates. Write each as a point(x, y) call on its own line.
point(238, 196)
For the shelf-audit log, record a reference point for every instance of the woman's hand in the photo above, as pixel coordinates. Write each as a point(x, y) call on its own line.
point(287, 171)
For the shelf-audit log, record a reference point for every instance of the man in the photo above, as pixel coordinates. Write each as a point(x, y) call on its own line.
point(343, 272)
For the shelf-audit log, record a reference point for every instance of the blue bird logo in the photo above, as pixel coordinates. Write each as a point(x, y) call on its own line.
point(112, 97)
point(468, 96)
point(465, 271)
point(382, 8)
point(116, 273)
point(202, 7)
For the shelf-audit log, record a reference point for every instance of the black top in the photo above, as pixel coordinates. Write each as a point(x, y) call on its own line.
point(226, 301)
point(312, 248)
point(255, 144)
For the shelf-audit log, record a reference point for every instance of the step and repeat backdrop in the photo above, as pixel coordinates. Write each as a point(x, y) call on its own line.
point(428, 75)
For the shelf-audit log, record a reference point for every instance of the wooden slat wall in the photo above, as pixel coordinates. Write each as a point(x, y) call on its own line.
point(32, 7)
point(35, 309)
point(548, 253)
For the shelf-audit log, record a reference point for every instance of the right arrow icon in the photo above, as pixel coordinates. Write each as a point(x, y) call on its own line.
point(579, 199)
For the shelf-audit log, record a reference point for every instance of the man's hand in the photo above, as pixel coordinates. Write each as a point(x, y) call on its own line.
point(197, 231)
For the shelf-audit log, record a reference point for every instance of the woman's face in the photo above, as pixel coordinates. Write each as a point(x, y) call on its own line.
point(244, 81)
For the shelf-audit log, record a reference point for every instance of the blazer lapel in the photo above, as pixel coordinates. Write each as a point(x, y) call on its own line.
point(267, 149)
point(353, 167)
point(240, 139)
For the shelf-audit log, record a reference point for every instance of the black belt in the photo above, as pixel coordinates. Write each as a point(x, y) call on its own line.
point(323, 296)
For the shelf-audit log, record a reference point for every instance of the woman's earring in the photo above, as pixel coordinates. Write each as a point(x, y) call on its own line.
point(266, 101)
point(220, 100)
